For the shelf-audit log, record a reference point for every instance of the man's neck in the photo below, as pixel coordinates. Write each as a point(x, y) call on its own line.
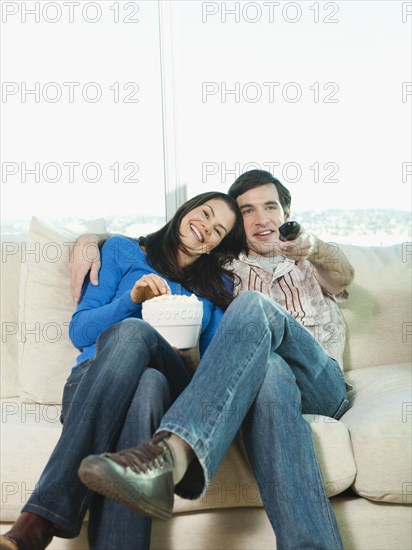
point(266, 262)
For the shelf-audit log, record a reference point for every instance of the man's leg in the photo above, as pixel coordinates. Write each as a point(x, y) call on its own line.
point(112, 525)
point(254, 332)
point(96, 416)
point(279, 444)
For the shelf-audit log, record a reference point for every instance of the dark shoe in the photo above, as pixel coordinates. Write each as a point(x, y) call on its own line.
point(30, 532)
point(140, 477)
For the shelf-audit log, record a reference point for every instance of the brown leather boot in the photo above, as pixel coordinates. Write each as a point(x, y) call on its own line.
point(30, 532)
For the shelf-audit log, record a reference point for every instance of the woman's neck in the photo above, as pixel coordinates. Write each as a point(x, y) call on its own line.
point(184, 259)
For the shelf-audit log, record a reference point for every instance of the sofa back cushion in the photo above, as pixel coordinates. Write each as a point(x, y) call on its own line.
point(378, 311)
point(46, 354)
point(10, 326)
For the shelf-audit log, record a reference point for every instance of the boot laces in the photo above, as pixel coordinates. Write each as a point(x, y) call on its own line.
point(142, 458)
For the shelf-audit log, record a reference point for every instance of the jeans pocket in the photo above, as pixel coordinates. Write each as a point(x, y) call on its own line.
point(71, 386)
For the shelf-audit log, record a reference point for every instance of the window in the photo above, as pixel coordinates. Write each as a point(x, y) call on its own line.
point(315, 92)
point(124, 109)
point(81, 111)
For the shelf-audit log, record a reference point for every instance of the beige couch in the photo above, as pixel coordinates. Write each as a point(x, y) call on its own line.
point(365, 457)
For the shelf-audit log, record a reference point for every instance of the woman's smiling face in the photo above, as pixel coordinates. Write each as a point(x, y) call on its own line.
point(204, 228)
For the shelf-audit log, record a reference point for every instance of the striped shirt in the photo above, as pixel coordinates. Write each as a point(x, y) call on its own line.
point(294, 286)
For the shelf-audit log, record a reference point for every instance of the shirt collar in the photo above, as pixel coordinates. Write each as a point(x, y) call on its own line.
point(284, 266)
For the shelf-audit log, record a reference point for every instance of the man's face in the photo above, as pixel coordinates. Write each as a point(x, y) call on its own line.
point(262, 214)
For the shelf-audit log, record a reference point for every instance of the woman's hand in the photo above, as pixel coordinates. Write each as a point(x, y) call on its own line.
point(148, 287)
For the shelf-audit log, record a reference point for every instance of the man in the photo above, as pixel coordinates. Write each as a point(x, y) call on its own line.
point(280, 365)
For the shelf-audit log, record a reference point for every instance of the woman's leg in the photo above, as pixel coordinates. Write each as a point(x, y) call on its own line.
point(96, 416)
point(112, 525)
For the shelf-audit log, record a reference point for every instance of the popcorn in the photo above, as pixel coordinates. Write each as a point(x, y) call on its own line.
point(174, 298)
point(176, 317)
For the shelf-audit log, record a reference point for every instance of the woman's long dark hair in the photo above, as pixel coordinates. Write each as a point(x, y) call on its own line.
point(205, 275)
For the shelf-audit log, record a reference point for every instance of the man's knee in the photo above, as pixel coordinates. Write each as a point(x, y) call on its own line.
point(257, 308)
point(247, 304)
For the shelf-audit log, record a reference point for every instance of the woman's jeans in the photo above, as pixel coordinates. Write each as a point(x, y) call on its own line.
point(263, 370)
point(114, 402)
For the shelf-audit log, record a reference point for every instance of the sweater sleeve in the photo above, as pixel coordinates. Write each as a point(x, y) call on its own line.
point(100, 307)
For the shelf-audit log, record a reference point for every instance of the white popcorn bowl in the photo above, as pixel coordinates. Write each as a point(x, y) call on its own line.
point(178, 322)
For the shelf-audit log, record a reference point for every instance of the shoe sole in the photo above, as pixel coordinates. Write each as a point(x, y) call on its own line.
point(7, 544)
point(98, 477)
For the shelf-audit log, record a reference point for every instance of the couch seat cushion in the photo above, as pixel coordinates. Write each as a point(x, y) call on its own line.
point(30, 431)
point(379, 423)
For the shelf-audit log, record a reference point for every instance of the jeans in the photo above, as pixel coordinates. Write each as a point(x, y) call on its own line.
point(104, 411)
point(111, 524)
point(275, 371)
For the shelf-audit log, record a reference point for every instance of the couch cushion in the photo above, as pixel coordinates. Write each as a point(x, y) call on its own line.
point(334, 453)
point(378, 312)
point(31, 430)
point(363, 525)
point(11, 245)
point(379, 423)
point(28, 435)
point(46, 353)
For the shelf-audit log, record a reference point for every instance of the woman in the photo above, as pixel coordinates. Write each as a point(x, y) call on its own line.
point(105, 404)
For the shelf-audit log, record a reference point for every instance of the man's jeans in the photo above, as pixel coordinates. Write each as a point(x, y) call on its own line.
point(263, 369)
point(114, 402)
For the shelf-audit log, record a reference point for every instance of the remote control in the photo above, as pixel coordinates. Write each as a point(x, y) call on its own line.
point(289, 231)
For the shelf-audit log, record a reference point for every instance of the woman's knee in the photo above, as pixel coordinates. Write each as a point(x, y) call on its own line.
point(130, 331)
point(154, 386)
point(125, 350)
point(152, 398)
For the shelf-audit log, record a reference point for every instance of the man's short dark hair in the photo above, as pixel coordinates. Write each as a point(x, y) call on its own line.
point(257, 178)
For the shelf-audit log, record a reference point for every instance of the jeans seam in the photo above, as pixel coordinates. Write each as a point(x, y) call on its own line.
point(325, 507)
